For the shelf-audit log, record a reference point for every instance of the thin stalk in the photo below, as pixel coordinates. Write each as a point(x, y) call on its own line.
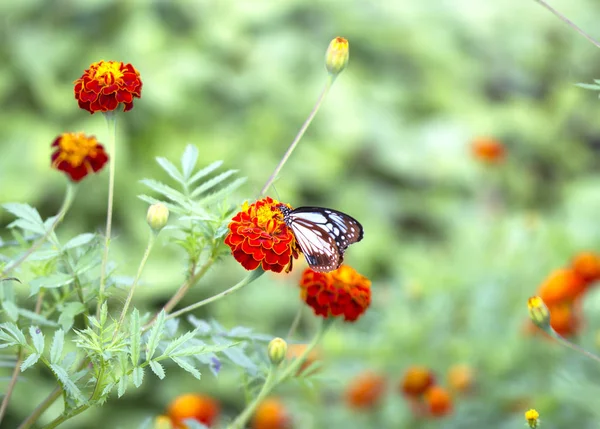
point(11, 384)
point(253, 275)
point(295, 324)
point(64, 417)
point(572, 346)
point(296, 140)
point(111, 123)
point(568, 22)
point(151, 239)
point(46, 403)
point(69, 194)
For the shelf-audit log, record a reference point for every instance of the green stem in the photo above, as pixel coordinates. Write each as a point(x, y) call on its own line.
point(273, 379)
point(572, 346)
point(11, 384)
point(568, 22)
point(296, 140)
point(187, 285)
point(253, 275)
point(33, 417)
point(64, 417)
point(69, 194)
point(151, 239)
point(295, 324)
point(111, 123)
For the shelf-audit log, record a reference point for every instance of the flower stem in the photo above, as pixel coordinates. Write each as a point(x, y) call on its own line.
point(151, 239)
point(568, 22)
point(111, 123)
point(296, 140)
point(295, 324)
point(253, 275)
point(69, 194)
point(572, 346)
point(273, 378)
point(33, 417)
point(187, 285)
point(11, 384)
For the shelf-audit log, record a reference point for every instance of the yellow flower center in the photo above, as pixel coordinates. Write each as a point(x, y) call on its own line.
point(108, 72)
point(75, 147)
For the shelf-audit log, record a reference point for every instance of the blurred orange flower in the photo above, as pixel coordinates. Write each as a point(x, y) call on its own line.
point(416, 380)
point(565, 319)
point(336, 293)
point(271, 414)
point(587, 266)
point(461, 378)
point(78, 155)
point(296, 350)
point(199, 407)
point(365, 390)
point(258, 236)
point(562, 285)
point(488, 150)
point(438, 401)
point(106, 84)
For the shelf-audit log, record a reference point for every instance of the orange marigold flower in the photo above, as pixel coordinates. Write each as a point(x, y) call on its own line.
point(296, 350)
point(106, 84)
point(416, 380)
point(336, 293)
point(562, 285)
point(488, 150)
point(564, 319)
point(78, 155)
point(587, 266)
point(366, 390)
point(461, 378)
point(438, 401)
point(258, 236)
point(202, 408)
point(271, 414)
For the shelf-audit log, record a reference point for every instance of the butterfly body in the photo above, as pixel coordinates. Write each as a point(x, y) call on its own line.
point(323, 234)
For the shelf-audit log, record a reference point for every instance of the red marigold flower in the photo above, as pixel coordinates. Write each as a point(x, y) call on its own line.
point(340, 292)
point(106, 84)
point(366, 390)
point(201, 408)
point(562, 285)
point(258, 236)
point(78, 155)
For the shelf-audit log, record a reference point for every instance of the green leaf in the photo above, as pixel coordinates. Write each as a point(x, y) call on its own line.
point(223, 192)
point(90, 259)
point(177, 342)
point(36, 318)
point(38, 339)
point(588, 86)
point(136, 336)
point(157, 369)
point(201, 349)
point(122, 386)
point(103, 314)
point(56, 349)
point(52, 281)
point(68, 384)
point(170, 169)
point(12, 332)
point(155, 334)
point(30, 361)
point(189, 160)
point(80, 240)
point(205, 172)
point(194, 424)
point(183, 364)
point(165, 190)
point(138, 376)
point(12, 311)
point(68, 313)
point(28, 218)
point(172, 207)
point(108, 388)
point(212, 182)
point(44, 255)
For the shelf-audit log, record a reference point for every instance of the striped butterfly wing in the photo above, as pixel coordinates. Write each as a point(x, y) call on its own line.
point(323, 235)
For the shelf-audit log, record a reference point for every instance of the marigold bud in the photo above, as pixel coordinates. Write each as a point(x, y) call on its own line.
point(336, 58)
point(277, 350)
point(162, 422)
point(532, 417)
point(538, 313)
point(157, 217)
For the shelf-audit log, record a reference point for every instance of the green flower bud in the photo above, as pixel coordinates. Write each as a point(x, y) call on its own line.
point(336, 58)
point(538, 313)
point(277, 350)
point(157, 217)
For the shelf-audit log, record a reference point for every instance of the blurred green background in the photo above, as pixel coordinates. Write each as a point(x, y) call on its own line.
point(454, 247)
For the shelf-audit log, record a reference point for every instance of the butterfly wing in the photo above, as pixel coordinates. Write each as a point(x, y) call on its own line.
point(324, 235)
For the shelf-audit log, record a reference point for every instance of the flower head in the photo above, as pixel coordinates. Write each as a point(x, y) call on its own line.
point(78, 155)
point(538, 312)
point(277, 349)
point(271, 414)
point(461, 378)
point(532, 417)
point(488, 150)
point(562, 285)
point(258, 236)
point(202, 408)
point(587, 266)
point(162, 422)
point(366, 390)
point(342, 292)
point(106, 84)
point(438, 401)
point(416, 380)
point(336, 58)
point(157, 216)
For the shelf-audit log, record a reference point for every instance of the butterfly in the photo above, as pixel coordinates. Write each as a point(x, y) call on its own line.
point(322, 234)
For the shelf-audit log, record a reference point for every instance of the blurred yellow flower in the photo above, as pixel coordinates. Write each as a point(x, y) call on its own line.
point(532, 417)
point(336, 58)
point(538, 312)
